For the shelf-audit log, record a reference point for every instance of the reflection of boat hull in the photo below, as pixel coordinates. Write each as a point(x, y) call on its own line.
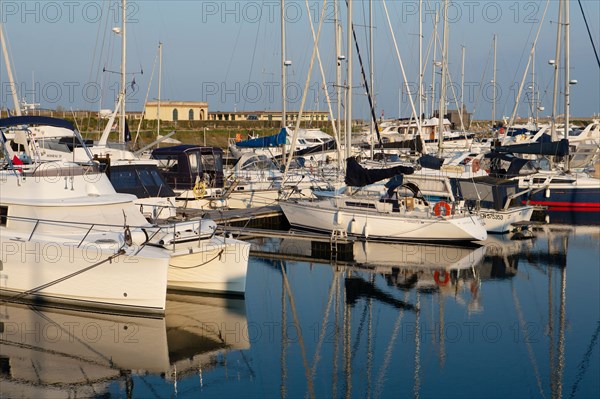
point(219, 265)
point(59, 353)
point(420, 256)
point(199, 327)
point(35, 269)
point(325, 217)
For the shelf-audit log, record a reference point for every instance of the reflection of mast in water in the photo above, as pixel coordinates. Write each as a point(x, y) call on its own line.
point(283, 334)
point(417, 380)
point(561, 335)
point(347, 341)
point(441, 332)
point(370, 342)
point(290, 297)
point(389, 350)
point(336, 336)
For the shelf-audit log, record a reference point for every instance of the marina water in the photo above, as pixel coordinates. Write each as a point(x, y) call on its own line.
point(518, 318)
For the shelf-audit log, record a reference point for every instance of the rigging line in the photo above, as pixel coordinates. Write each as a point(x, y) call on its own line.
point(61, 279)
point(73, 338)
point(589, 33)
point(54, 352)
point(137, 134)
point(388, 353)
point(582, 367)
point(309, 379)
point(218, 255)
point(507, 99)
point(364, 76)
point(361, 325)
point(101, 55)
point(518, 96)
point(93, 64)
point(233, 52)
point(253, 55)
point(527, 341)
point(325, 325)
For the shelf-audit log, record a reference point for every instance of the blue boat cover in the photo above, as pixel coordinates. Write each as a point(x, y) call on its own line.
point(36, 120)
point(263, 142)
point(358, 176)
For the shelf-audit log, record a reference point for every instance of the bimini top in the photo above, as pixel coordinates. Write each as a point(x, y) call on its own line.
point(36, 120)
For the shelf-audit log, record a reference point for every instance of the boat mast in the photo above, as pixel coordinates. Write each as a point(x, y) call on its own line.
point(555, 62)
point(338, 76)
point(123, 70)
point(462, 89)
point(283, 83)
point(442, 107)
point(533, 100)
point(494, 87)
point(371, 74)
point(420, 59)
point(349, 81)
point(11, 81)
point(283, 77)
point(433, 65)
point(160, 45)
point(567, 74)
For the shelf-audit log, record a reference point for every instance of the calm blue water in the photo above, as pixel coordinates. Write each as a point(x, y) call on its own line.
point(512, 319)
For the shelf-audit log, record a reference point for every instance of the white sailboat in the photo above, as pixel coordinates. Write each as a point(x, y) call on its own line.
point(371, 215)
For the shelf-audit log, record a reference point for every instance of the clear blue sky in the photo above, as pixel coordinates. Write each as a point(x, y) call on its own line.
point(228, 52)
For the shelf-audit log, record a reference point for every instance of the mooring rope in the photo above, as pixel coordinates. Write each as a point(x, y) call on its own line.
point(200, 264)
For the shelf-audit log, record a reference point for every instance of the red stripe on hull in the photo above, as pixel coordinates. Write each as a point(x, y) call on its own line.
point(579, 206)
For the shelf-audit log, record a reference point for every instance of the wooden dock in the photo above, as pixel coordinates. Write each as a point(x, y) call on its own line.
point(265, 216)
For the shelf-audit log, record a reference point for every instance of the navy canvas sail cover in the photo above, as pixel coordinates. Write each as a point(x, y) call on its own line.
point(36, 120)
point(263, 142)
point(358, 176)
point(556, 148)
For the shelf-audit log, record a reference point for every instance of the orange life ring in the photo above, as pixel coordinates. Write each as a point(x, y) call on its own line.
point(436, 277)
point(437, 209)
point(475, 165)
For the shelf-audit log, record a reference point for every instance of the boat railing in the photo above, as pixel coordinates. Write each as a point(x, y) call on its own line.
point(86, 228)
point(162, 235)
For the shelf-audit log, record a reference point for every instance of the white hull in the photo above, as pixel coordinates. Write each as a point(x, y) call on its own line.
point(218, 265)
point(500, 221)
point(371, 224)
point(132, 282)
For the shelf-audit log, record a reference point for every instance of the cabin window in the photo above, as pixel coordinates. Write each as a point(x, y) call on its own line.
point(193, 160)
point(168, 163)
point(208, 162)
point(3, 215)
point(191, 114)
point(175, 115)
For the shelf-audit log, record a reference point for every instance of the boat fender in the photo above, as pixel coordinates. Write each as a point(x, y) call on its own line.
point(437, 209)
point(436, 277)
